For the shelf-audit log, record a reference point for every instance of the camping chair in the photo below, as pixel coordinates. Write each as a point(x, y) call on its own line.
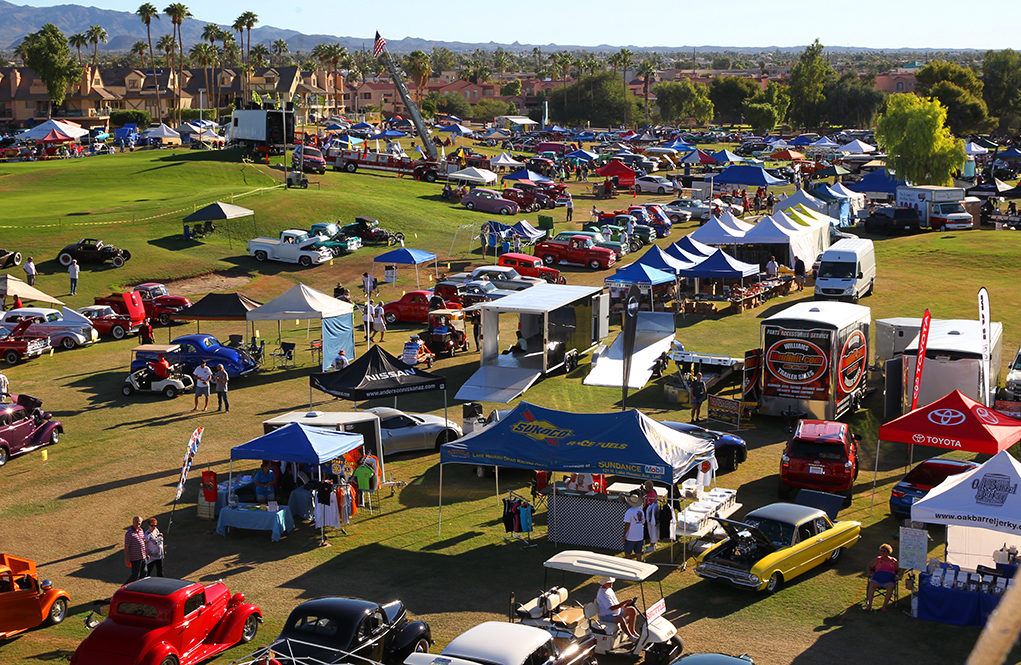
point(284, 356)
point(235, 341)
point(537, 485)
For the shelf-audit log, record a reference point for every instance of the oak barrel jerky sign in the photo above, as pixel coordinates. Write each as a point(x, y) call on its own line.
point(796, 362)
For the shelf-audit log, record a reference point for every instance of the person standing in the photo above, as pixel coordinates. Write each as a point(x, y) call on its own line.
point(378, 323)
point(220, 379)
point(73, 272)
point(799, 274)
point(134, 549)
point(634, 528)
point(368, 283)
point(202, 375)
point(154, 549)
point(145, 332)
point(30, 271)
point(5, 384)
point(570, 209)
point(367, 319)
point(698, 395)
point(477, 327)
point(772, 269)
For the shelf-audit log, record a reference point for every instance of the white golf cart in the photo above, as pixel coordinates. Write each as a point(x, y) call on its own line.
point(550, 609)
point(145, 381)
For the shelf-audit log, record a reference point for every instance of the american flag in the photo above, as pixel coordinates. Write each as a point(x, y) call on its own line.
point(377, 48)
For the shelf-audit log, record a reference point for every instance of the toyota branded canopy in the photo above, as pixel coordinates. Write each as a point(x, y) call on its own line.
point(955, 422)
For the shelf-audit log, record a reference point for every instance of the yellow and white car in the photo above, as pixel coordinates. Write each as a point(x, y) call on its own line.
point(775, 544)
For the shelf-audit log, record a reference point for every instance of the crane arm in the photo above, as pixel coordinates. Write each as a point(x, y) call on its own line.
point(416, 117)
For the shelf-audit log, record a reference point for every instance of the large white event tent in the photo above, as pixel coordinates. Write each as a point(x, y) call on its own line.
point(715, 232)
point(800, 197)
point(40, 131)
point(799, 244)
point(303, 303)
point(857, 147)
point(728, 219)
point(858, 200)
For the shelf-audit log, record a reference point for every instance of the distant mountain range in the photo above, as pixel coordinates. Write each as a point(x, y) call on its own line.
point(124, 29)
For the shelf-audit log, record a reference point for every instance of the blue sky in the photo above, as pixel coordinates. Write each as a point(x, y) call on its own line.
point(867, 23)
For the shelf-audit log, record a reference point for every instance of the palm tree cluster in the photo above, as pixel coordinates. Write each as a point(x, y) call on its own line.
point(333, 57)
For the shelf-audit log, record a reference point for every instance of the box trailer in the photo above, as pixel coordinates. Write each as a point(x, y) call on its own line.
point(366, 424)
point(953, 361)
point(815, 359)
point(259, 128)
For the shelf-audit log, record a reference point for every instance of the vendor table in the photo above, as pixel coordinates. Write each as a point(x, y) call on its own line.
point(627, 488)
point(301, 504)
point(242, 517)
point(244, 486)
point(954, 606)
point(587, 520)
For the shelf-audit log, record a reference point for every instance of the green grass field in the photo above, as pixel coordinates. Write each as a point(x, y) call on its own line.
point(120, 457)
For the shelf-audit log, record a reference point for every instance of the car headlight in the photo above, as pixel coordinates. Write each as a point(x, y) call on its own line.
point(754, 579)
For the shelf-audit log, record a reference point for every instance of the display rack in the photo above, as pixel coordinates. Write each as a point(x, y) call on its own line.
point(527, 539)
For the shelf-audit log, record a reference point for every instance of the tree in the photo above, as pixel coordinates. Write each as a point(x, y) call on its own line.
point(280, 47)
point(966, 113)
point(761, 116)
point(48, 55)
point(95, 34)
point(940, 70)
point(920, 147)
point(606, 105)
point(178, 13)
point(808, 79)
point(511, 88)
point(77, 41)
point(625, 64)
point(419, 67)
point(502, 60)
point(721, 63)
point(140, 48)
point(214, 33)
point(852, 102)
point(1001, 85)
point(729, 94)
point(487, 109)
point(443, 60)
point(203, 54)
point(450, 103)
point(260, 54)
point(168, 45)
point(684, 99)
point(147, 13)
point(647, 70)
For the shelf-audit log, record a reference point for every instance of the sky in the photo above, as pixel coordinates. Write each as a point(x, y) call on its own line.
point(882, 24)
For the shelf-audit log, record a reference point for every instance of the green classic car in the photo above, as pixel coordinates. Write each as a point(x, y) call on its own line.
point(643, 234)
point(334, 239)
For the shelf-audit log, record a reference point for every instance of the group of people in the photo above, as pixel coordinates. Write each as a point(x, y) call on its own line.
point(143, 549)
point(205, 379)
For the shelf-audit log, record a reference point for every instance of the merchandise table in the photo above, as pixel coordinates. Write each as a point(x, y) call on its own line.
point(243, 486)
point(301, 504)
point(241, 517)
point(954, 606)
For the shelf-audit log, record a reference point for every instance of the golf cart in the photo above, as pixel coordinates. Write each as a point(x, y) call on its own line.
point(296, 179)
point(551, 612)
point(145, 381)
point(445, 333)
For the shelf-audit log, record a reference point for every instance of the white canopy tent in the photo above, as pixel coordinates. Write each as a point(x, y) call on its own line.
point(728, 219)
point(800, 197)
point(505, 160)
point(473, 174)
point(714, 232)
point(985, 496)
point(798, 218)
point(800, 244)
point(857, 147)
point(857, 199)
point(40, 131)
point(971, 149)
point(303, 303)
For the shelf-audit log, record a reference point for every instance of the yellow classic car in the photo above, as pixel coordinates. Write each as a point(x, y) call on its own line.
point(775, 544)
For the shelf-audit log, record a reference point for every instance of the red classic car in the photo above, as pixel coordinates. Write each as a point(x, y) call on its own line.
point(413, 306)
point(159, 304)
point(24, 427)
point(163, 621)
point(25, 602)
point(108, 322)
point(531, 266)
point(18, 345)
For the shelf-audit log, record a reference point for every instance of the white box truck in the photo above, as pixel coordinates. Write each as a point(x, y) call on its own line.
point(270, 130)
point(847, 270)
point(940, 208)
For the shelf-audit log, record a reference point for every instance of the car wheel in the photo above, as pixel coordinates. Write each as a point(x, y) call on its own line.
point(594, 264)
point(390, 318)
point(943, 228)
point(636, 245)
point(505, 211)
point(127, 390)
point(469, 205)
point(661, 191)
point(446, 436)
point(783, 492)
point(774, 583)
point(430, 176)
point(854, 299)
point(17, 258)
point(305, 261)
point(11, 357)
point(65, 259)
point(261, 256)
point(848, 498)
point(250, 629)
point(118, 332)
point(835, 555)
point(351, 167)
point(872, 286)
point(421, 646)
point(169, 660)
point(4, 455)
point(549, 259)
point(561, 280)
point(58, 611)
point(118, 262)
point(69, 343)
point(164, 319)
point(676, 219)
point(170, 392)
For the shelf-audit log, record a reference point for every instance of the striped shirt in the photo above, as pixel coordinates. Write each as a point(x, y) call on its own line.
point(134, 541)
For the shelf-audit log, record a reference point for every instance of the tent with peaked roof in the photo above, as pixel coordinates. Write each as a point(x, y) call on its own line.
point(727, 218)
point(720, 266)
point(37, 133)
point(787, 155)
point(1013, 153)
point(525, 174)
point(614, 168)
point(219, 212)
point(376, 374)
point(954, 422)
point(11, 287)
point(503, 160)
point(697, 157)
point(298, 443)
point(684, 255)
point(837, 206)
point(219, 307)
point(474, 175)
point(800, 140)
point(303, 303)
point(407, 257)
point(857, 199)
point(644, 276)
point(162, 132)
point(824, 142)
point(878, 184)
point(744, 174)
point(714, 232)
point(660, 259)
point(794, 244)
point(800, 197)
point(693, 246)
point(726, 157)
point(857, 147)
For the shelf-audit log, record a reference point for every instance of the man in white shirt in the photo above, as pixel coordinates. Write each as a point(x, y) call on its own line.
point(202, 375)
point(634, 527)
point(611, 609)
point(772, 268)
point(73, 272)
point(30, 271)
point(378, 323)
point(341, 361)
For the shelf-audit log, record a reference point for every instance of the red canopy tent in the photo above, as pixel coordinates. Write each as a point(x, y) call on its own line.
point(625, 175)
point(54, 136)
point(954, 422)
point(787, 155)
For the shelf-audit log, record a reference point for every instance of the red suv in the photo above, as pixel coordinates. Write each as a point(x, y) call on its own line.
point(821, 455)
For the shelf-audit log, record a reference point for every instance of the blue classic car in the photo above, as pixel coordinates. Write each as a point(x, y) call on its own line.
point(195, 349)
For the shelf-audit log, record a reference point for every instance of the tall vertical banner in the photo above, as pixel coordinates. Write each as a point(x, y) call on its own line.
point(189, 456)
point(923, 342)
point(631, 302)
point(984, 320)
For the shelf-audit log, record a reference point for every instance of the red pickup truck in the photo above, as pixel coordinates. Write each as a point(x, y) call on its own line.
point(156, 302)
point(579, 249)
point(531, 266)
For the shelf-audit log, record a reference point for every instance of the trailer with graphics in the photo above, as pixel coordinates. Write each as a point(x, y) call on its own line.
point(814, 359)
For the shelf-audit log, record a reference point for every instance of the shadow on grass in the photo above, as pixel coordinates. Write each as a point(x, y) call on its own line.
point(59, 654)
point(175, 242)
point(450, 542)
point(161, 166)
point(172, 474)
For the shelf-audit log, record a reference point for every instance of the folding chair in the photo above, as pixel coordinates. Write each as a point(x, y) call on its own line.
point(235, 341)
point(284, 356)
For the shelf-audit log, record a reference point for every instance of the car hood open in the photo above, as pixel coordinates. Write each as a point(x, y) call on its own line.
point(734, 530)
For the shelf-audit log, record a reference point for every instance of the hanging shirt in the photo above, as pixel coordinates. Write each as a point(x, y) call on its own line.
point(706, 475)
point(365, 477)
point(525, 512)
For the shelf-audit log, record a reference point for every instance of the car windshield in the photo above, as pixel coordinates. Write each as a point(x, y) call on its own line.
point(209, 342)
point(780, 534)
point(837, 270)
point(816, 450)
point(951, 208)
point(1017, 362)
point(313, 625)
point(933, 474)
point(312, 152)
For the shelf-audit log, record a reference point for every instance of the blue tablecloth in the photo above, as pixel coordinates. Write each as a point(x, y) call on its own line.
point(301, 504)
point(279, 522)
point(959, 608)
point(244, 488)
point(1009, 569)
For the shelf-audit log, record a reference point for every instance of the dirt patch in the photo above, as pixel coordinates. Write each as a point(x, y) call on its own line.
point(208, 283)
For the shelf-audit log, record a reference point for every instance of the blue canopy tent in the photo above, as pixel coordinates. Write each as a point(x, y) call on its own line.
point(824, 143)
point(753, 176)
point(389, 134)
point(726, 157)
point(1013, 153)
point(525, 174)
point(363, 125)
point(678, 144)
point(692, 246)
point(407, 257)
point(800, 140)
point(721, 265)
point(687, 257)
point(656, 257)
point(456, 128)
point(877, 182)
point(335, 127)
point(558, 129)
point(582, 154)
point(533, 437)
point(585, 136)
point(527, 232)
point(643, 276)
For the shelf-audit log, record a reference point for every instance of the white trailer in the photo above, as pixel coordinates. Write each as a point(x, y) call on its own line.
point(953, 361)
point(261, 128)
point(366, 424)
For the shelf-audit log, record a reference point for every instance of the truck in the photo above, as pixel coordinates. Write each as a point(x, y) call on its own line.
point(332, 238)
point(18, 345)
point(814, 358)
point(579, 249)
point(353, 160)
point(25, 602)
point(293, 246)
point(940, 208)
point(268, 131)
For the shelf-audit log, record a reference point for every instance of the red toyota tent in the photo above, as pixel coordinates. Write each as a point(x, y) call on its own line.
point(625, 176)
point(954, 422)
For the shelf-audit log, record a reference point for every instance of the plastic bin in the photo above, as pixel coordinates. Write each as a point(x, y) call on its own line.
point(546, 222)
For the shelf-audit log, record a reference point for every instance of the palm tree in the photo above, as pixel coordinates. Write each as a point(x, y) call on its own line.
point(210, 33)
point(625, 64)
point(333, 55)
point(147, 13)
point(95, 34)
point(248, 19)
point(260, 53)
point(204, 54)
point(239, 27)
point(168, 45)
point(178, 12)
point(501, 61)
point(280, 46)
point(537, 59)
point(419, 66)
point(140, 49)
point(78, 40)
point(647, 70)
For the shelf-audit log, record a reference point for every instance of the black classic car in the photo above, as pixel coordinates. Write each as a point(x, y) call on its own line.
point(91, 250)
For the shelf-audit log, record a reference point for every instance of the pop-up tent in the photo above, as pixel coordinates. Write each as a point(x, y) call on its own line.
point(219, 212)
point(782, 242)
point(407, 257)
point(693, 246)
point(164, 133)
point(474, 175)
point(525, 174)
point(11, 286)
point(742, 174)
point(376, 374)
point(727, 218)
point(303, 303)
point(219, 307)
point(503, 160)
point(857, 199)
point(40, 131)
point(614, 168)
point(714, 232)
point(720, 266)
point(878, 184)
point(857, 147)
point(800, 197)
point(656, 257)
point(644, 276)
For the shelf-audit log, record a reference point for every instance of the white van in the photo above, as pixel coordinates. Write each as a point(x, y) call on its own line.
point(847, 270)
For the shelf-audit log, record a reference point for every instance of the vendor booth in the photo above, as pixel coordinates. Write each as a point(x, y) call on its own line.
point(627, 444)
point(652, 283)
point(407, 257)
point(800, 198)
point(715, 232)
point(219, 307)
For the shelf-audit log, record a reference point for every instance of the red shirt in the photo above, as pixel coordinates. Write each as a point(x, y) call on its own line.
point(161, 368)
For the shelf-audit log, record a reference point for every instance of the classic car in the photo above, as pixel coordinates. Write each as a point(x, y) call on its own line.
point(9, 257)
point(17, 344)
point(91, 250)
point(606, 235)
point(917, 483)
point(499, 643)
point(528, 201)
point(677, 208)
point(504, 277)
point(450, 291)
point(24, 427)
point(488, 200)
point(368, 229)
point(775, 544)
point(580, 249)
point(25, 602)
point(731, 450)
point(413, 431)
point(661, 224)
point(196, 348)
point(334, 240)
point(108, 322)
point(646, 233)
point(163, 621)
point(531, 266)
point(67, 329)
point(412, 306)
point(159, 304)
point(477, 290)
point(349, 630)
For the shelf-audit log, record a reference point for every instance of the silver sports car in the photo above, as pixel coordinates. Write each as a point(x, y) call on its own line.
point(413, 431)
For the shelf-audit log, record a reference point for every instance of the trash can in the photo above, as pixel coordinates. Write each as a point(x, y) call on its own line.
point(390, 274)
point(546, 222)
point(471, 412)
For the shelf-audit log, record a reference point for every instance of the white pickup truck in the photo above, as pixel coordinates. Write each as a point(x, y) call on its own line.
point(293, 246)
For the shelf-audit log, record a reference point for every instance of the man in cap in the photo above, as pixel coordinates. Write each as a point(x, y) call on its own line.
point(610, 609)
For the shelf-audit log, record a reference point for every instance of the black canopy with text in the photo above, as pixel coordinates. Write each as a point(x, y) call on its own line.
point(376, 374)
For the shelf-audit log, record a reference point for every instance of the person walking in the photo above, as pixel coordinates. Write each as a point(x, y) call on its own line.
point(154, 550)
point(799, 274)
point(477, 327)
point(145, 332)
point(30, 271)
point(5, 384)
point(134, 549)
point(378, 323)
point(73, 272)
point(772, 268)
point(570, 208)
point(202, 375)
point(221, 379)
